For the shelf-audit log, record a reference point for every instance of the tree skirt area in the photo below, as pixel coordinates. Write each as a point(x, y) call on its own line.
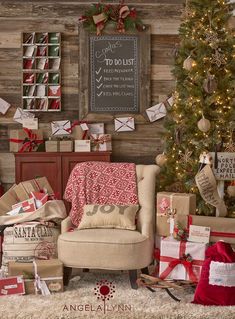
point(80, 300)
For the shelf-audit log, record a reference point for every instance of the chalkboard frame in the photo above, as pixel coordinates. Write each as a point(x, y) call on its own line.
point(144, 61)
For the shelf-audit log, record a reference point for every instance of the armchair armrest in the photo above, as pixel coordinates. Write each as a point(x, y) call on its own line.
point(66, 224)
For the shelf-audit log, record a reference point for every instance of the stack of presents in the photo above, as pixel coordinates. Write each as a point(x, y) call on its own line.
point(185, 244)
point(66, 136)
point(30, 218)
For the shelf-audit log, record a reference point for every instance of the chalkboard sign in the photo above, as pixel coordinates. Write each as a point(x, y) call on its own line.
point(114, 73)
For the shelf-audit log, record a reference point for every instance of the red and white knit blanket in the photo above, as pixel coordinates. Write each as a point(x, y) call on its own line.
point(100, 183)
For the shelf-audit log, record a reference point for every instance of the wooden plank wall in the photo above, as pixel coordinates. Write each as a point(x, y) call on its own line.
point(145, 142)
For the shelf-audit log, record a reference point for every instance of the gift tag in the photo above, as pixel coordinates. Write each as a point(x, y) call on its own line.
point(84, 126)
point(199, 234)
point(31, 123)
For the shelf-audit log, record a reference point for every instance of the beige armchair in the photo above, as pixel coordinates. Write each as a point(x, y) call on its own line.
point(115, 249)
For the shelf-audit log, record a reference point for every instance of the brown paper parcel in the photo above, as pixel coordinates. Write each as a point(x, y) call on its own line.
point(49, 270)
point(53, 210)
point(7, 200)
point(24, 189)
point(22, 135)
point(221, 228)
point(184, 204)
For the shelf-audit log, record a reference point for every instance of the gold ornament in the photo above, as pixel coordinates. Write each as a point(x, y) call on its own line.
point(212, 38)
point(218, 58)
point(189, 63)
point(231, 190)
point(204, 125)
point(161, 159)
point(230, 147)
point(210, 84)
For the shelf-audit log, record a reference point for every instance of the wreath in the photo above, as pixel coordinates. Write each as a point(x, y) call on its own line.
point(100, 15)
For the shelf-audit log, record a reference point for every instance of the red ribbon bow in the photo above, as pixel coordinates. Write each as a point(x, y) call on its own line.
point(85, 133)
point(29, 143)
point(123, 13)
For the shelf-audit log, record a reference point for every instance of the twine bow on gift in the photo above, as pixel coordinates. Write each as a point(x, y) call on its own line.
point(29, 143)
point(99, 140)
point(184, 259)
point(123, 13)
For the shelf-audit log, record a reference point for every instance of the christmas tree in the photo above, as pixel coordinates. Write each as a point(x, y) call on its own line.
point(203, 110)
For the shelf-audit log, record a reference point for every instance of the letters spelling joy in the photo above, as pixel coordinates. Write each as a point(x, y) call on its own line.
point(107, 209)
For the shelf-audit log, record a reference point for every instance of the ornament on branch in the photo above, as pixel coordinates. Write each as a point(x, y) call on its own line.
point(187, 12)
point(185, 158)
point(179, 131)
point(189, 63)
point(212, 38)
point(218, 58)
point(204, 125)
point(161, 159)
point(210, 84)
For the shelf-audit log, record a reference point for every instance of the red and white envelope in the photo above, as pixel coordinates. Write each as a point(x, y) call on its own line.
point(39, 198)
point(28, 205)
point(41, 51)
point(12, 286)
point(29, 78)
point(28, 64)
point(54, 104)
point(61, 127)
point(54, 90)
point(124, 124)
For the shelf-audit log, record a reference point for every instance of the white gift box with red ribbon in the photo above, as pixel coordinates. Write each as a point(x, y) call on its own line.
point(181, 260)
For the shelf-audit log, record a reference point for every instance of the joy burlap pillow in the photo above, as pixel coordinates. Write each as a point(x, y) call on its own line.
point(109, 216)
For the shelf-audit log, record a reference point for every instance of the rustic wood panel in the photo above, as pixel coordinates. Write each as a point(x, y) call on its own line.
point(18, 16)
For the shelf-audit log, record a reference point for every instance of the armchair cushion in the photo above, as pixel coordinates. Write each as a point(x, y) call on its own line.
point(109, 216)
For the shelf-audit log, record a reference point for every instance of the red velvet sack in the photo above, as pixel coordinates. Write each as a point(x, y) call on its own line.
point(208, 294)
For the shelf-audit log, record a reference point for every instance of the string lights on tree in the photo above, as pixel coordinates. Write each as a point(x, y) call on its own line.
point(204, 94)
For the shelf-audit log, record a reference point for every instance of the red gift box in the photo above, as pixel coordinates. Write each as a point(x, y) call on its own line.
point(28, 205)
point(12, 286)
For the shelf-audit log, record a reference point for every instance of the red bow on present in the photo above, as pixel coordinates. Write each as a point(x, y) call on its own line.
point(123, 13)
point(29, 143)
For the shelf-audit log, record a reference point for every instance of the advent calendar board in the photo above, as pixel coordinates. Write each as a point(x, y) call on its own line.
point(114, 73)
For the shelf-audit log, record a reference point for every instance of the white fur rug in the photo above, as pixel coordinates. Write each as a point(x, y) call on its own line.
point(80, 301)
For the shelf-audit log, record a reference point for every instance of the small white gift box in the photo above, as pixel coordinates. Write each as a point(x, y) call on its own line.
point(181, 260)
point(21, 115)
point(124, 124)
point(82, 145)
point(156, 112)
point(61, 127)
point(96, 128)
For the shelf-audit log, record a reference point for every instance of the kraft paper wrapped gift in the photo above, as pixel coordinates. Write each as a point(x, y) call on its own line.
point(80, 130)
point(184, 204)
point(65, 146)
point(101, 142)
point(221, 228)
point(7, 200)
point(52, 146)
point(25, 140)
point(51, 271)
point(24, 189)
point(180, 259)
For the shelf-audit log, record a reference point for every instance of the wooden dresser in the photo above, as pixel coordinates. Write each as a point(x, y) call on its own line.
point(55, 166)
